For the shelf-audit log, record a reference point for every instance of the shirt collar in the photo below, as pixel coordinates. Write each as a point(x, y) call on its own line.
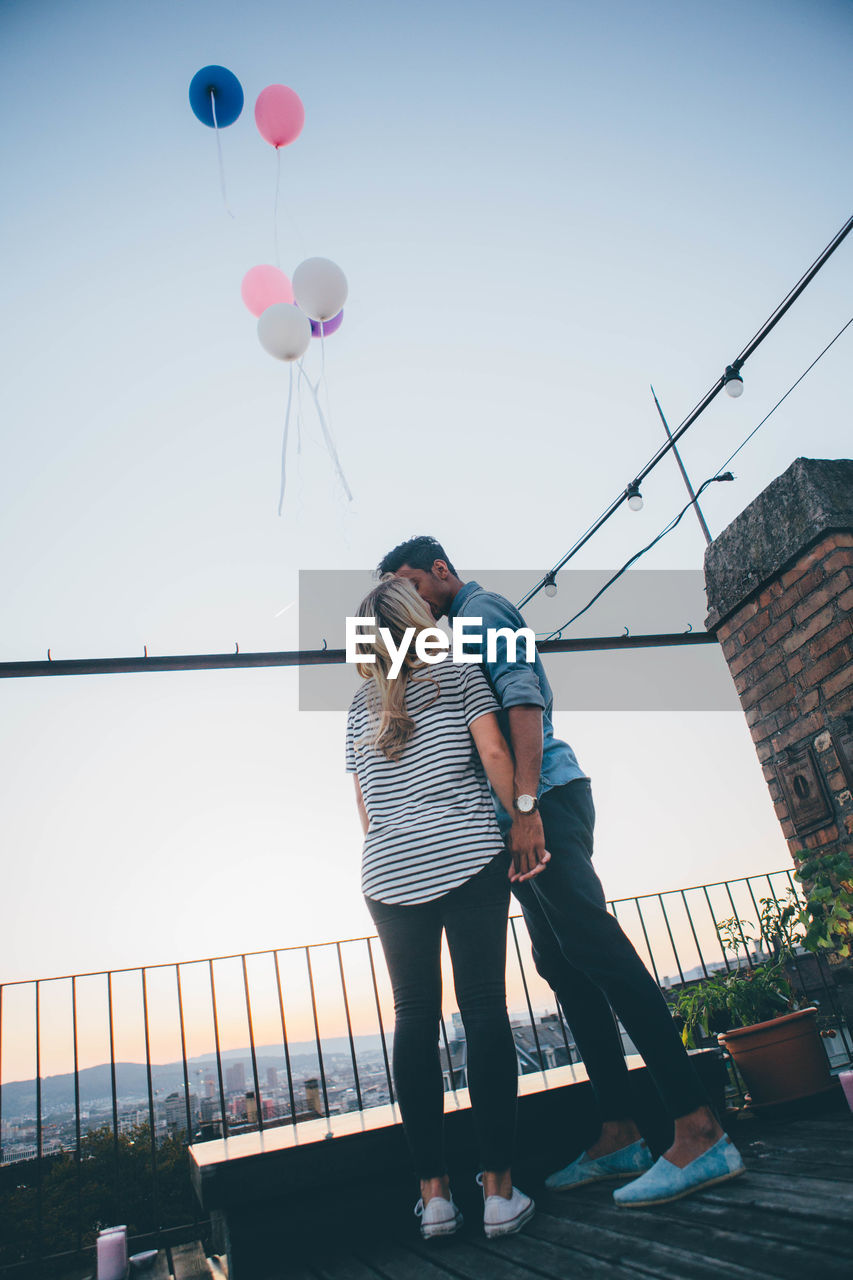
point(461, 596)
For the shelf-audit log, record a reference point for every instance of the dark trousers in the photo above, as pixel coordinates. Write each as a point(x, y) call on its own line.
point(474, 916)
point(581, 952)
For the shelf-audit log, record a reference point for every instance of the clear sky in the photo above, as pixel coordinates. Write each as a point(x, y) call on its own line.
point(540, 209)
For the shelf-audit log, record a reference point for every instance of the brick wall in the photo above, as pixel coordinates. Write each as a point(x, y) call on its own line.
point(790, 651)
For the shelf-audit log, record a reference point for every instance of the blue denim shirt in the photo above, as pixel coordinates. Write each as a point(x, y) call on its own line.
point(516, 684)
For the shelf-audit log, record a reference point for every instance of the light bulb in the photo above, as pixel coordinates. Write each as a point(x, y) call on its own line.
point(635, 498)
point(550, 588)
point(733, 382)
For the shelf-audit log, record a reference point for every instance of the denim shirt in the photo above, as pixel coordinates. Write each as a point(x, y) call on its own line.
point(516, 684)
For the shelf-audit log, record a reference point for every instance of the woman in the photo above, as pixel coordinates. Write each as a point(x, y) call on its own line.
point(434, 860)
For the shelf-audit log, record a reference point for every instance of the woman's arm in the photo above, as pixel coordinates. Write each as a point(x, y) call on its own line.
point(500, 770)
point(359, 801)
point(495, 755)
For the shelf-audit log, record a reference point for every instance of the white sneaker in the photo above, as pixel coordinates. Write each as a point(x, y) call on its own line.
point(439, 1217)
point(502, 1217)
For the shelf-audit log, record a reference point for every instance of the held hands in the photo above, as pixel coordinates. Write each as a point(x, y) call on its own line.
point(526, 842)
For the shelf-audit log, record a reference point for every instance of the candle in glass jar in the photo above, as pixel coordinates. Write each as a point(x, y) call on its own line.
point(112, 1254)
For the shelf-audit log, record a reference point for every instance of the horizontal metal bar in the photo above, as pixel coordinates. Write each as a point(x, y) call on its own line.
point(306, 657)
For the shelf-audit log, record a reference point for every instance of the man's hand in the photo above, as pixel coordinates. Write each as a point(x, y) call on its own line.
point(526, 842)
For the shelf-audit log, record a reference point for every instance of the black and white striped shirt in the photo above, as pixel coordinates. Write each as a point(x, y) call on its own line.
point(432, 820)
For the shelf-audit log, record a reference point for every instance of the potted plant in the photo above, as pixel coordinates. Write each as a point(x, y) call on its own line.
point(775, 1044)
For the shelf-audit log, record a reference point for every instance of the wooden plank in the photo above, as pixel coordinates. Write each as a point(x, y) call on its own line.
point(724, 1242)
point(189, 1262)
point(395, 1262)
point(543, 1258)
point(478, 1261)
point(832, 1238)
point(345, 1269)
point(817, 1198)
point(653, 1257)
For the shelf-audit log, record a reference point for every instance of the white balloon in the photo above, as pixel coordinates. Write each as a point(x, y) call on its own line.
point(284, 331)
point(320, 288)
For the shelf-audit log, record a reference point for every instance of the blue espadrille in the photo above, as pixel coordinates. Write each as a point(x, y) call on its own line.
point(627, 1162)
point(665, 1181)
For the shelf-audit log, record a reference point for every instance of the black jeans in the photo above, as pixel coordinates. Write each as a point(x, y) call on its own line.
point(474, 917)
point(581, 952)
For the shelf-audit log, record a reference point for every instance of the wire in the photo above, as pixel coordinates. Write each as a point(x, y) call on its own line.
point(699, 409)
point(720, 474)
point(787, 393)
point(554, 635)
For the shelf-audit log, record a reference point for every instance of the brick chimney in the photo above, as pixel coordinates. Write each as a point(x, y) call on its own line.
point(779, 582)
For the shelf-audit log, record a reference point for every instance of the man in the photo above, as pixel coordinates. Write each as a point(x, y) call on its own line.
point(578, 946)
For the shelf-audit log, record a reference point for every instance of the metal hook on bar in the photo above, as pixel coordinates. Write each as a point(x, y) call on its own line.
point(627, 632)
point(145, 649)
point(49, 658)
point(689, 628)
point(325, 646)
point(236, 647)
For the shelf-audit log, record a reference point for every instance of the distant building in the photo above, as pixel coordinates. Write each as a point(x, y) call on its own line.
point(235, 1078)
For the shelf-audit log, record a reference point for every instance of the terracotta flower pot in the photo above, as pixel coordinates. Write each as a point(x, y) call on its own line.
point(780, 1060)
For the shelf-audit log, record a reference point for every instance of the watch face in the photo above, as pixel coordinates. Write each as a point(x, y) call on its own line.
point(525, 804)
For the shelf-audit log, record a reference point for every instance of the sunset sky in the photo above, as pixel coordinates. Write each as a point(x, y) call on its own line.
point(540, 210)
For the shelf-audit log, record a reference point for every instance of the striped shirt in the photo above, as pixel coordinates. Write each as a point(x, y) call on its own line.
point(432, 821)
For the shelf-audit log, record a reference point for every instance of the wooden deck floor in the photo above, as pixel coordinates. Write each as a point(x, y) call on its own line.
point(790, 1216)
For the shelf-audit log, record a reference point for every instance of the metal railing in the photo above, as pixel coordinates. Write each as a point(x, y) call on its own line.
point(315, 1019)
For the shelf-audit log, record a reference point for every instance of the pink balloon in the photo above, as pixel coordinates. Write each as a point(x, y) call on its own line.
point(279, 115)
point(263, 286)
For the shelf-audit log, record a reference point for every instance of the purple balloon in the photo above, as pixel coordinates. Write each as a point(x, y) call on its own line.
point(329, 326)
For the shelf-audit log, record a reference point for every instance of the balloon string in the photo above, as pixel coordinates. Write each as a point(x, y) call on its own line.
point(275, 206)
point(284, 441)
point(299, 412)
point(323, 379)
point(327, 435)
point(219, 153)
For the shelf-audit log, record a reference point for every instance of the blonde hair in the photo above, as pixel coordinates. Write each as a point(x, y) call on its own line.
point(396, 605)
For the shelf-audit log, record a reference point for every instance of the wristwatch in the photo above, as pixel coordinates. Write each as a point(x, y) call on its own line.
point(526, 804)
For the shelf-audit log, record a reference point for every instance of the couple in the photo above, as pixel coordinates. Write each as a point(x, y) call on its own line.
point(441, 855)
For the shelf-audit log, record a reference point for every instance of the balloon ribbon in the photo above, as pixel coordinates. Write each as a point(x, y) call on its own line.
point(219, 153)
point(327, 435)
point(284, 441)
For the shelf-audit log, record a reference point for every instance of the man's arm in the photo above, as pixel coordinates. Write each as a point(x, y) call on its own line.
point(527, 835)
point(500, 770)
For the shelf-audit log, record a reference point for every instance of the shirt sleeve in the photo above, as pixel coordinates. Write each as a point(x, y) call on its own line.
point(516, 684)
point(477, 698)
point(350, 745)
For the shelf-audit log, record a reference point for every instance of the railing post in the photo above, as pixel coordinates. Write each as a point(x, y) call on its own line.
point(381, 1026)
point(349, 1028)
point(258, 1100)
point(223, 1119)
point(317, 1032)
point(284, 1039)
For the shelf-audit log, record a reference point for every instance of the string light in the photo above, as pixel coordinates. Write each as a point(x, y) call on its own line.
point(635, 498)
point(735, 367)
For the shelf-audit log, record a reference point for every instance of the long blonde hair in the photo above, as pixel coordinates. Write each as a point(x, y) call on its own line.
point(396, 605)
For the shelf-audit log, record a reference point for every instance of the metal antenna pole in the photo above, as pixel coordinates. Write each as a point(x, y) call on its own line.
point(683, 470)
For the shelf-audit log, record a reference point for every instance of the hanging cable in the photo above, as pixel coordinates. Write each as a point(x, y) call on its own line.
point(732, 371)
point(554, 635)
point(720, 474)
point(787, 393)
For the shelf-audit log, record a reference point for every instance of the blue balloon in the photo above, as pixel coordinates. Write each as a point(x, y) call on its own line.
point(227, 96)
